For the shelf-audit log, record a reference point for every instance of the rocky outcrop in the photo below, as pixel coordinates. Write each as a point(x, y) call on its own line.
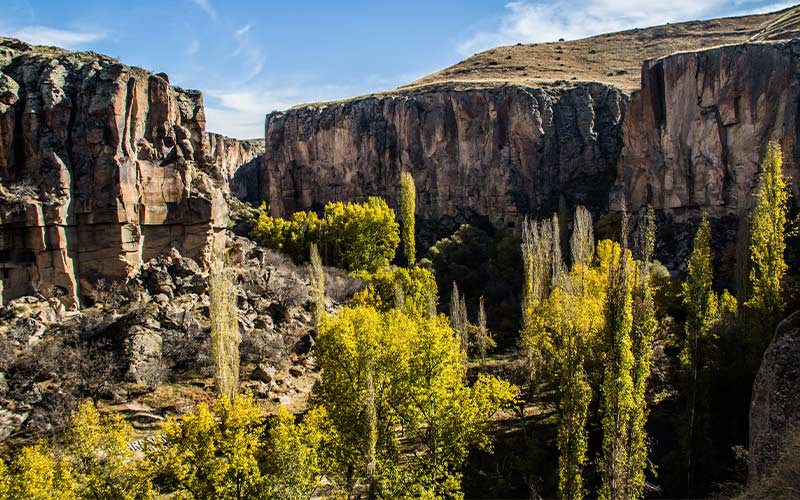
point(239, 162)
point(775, 406)
point(98, 170)
point(695, 135)
point(495, 154)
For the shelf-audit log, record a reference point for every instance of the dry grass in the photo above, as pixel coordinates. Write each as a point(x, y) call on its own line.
point(613, 58)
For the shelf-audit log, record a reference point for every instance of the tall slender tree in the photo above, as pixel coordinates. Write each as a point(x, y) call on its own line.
point(224, 316)
point(617, 387)
point(317, 282)
point(768, 237)
point(408, 203)
point(701, 310)
point(642, 336)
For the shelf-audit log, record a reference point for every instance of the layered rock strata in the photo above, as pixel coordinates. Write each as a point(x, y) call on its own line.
point(97, 169)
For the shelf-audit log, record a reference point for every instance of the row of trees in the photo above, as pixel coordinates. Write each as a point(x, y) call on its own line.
point(593, 324)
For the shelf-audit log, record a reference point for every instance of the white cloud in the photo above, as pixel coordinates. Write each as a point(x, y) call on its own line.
point(43, 35)
point(528, 22)
point(206, 7)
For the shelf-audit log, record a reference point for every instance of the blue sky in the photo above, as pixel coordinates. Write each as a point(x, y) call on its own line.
point(252, 57)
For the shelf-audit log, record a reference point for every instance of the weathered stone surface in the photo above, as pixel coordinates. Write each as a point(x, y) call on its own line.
point(239, 162)
point(97, 168)
point(695, 135)
point(775, 406)
point(491, 153)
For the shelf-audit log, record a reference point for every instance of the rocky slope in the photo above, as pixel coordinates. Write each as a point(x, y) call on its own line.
point(98, 165)
point(497, 154)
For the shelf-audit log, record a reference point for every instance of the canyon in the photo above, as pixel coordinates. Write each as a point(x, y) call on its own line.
point(105, 166)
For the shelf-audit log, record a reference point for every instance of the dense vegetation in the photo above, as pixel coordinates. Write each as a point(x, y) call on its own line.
point(626, 383)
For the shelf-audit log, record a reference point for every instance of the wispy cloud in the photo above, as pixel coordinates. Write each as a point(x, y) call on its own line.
point(206, 7)
point(44, 35)
point(529, 22)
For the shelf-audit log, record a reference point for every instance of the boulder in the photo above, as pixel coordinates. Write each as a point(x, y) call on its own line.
point(775, 407)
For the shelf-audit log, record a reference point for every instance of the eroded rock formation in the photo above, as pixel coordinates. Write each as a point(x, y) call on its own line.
point(495, 153)
point(775, 407)
point(98, 169)
point(239, 162)
point(696, 133)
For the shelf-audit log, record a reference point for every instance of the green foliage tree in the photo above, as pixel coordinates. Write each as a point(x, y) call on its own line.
point(38, 474)
point(406, 372)
point(768, 238)
point(213, 453)
point(642, 339)
point(408, 203)
point(353, 236)
point(702, 310)
point(293, 461)
point(416, 285)
point(617, 387)
point(224, 316)
point(103, 465)
point(361, 236)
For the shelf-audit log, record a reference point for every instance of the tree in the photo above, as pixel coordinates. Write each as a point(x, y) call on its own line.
point(617, 387)
point(212, 453)
point(360, 236)
point(317, 282)
point(293, 461)
point(642, 337)
point(408, 202)
point(384, 370)
point(767, 238)
point(103, 465)
point(483, 339)
point(37, 474)
point(224, 315)
point(458, 318)
point(416, 286)
point(701, 311)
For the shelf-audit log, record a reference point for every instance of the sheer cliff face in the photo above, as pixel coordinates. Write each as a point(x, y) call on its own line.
point(695, 135)
point(97, 163)
point(238, 161)
point(496, 153)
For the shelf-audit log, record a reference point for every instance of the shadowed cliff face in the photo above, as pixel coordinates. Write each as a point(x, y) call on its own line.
point(496, 153)
point(238, 162)
point(97, 162)
point(696, 133)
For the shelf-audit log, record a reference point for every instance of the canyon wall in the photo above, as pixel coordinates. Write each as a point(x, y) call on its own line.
point(494, 154)
point(238, 162)
point(98, 170)
point(696, 133)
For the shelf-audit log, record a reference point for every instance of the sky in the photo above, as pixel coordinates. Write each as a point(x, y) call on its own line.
point(252, 57)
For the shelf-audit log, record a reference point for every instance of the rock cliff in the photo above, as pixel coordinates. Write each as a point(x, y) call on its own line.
point(97, 168)
point(696, 133)
point(239, 162)
point(494, 153)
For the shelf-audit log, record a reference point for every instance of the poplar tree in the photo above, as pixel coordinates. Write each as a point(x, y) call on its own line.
point(224, 316)
point(408, 201)
point(617, 387)
point(317, 282)
point(701, 311)
point(767, 237)
point(642, 337)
